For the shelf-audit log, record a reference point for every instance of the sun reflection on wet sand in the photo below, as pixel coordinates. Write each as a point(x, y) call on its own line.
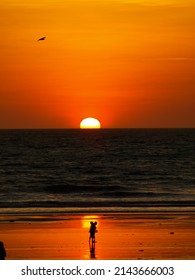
point(90, 218)
point(119, 236)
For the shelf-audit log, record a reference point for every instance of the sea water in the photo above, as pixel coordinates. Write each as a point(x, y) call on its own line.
point(100, 170)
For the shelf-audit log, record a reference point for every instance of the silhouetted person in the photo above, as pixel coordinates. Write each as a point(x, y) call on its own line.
point(2, 251)
point(92, 231)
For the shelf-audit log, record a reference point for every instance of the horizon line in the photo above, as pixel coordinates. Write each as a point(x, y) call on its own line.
point(102, 128)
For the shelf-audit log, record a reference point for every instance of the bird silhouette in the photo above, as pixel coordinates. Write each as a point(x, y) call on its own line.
point(41, 39)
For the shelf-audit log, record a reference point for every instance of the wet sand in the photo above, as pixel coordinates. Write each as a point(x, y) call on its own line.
point(147, 236)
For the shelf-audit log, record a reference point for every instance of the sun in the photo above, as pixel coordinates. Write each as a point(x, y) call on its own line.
point(89, 123)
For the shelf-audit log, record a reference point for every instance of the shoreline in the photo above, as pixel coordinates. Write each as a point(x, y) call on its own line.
point(58, 215)
point(91, 210)
point(122, 236)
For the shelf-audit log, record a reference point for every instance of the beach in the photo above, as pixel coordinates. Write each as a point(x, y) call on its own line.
point(122, 236)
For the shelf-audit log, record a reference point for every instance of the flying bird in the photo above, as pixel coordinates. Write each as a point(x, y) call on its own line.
point(41, 39)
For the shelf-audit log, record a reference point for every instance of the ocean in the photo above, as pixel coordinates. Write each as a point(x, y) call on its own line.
point(102, 170)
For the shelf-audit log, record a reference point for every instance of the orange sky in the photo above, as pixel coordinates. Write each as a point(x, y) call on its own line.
point(128, 63)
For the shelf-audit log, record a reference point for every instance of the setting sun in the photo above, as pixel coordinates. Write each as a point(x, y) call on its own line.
point(90, 123)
